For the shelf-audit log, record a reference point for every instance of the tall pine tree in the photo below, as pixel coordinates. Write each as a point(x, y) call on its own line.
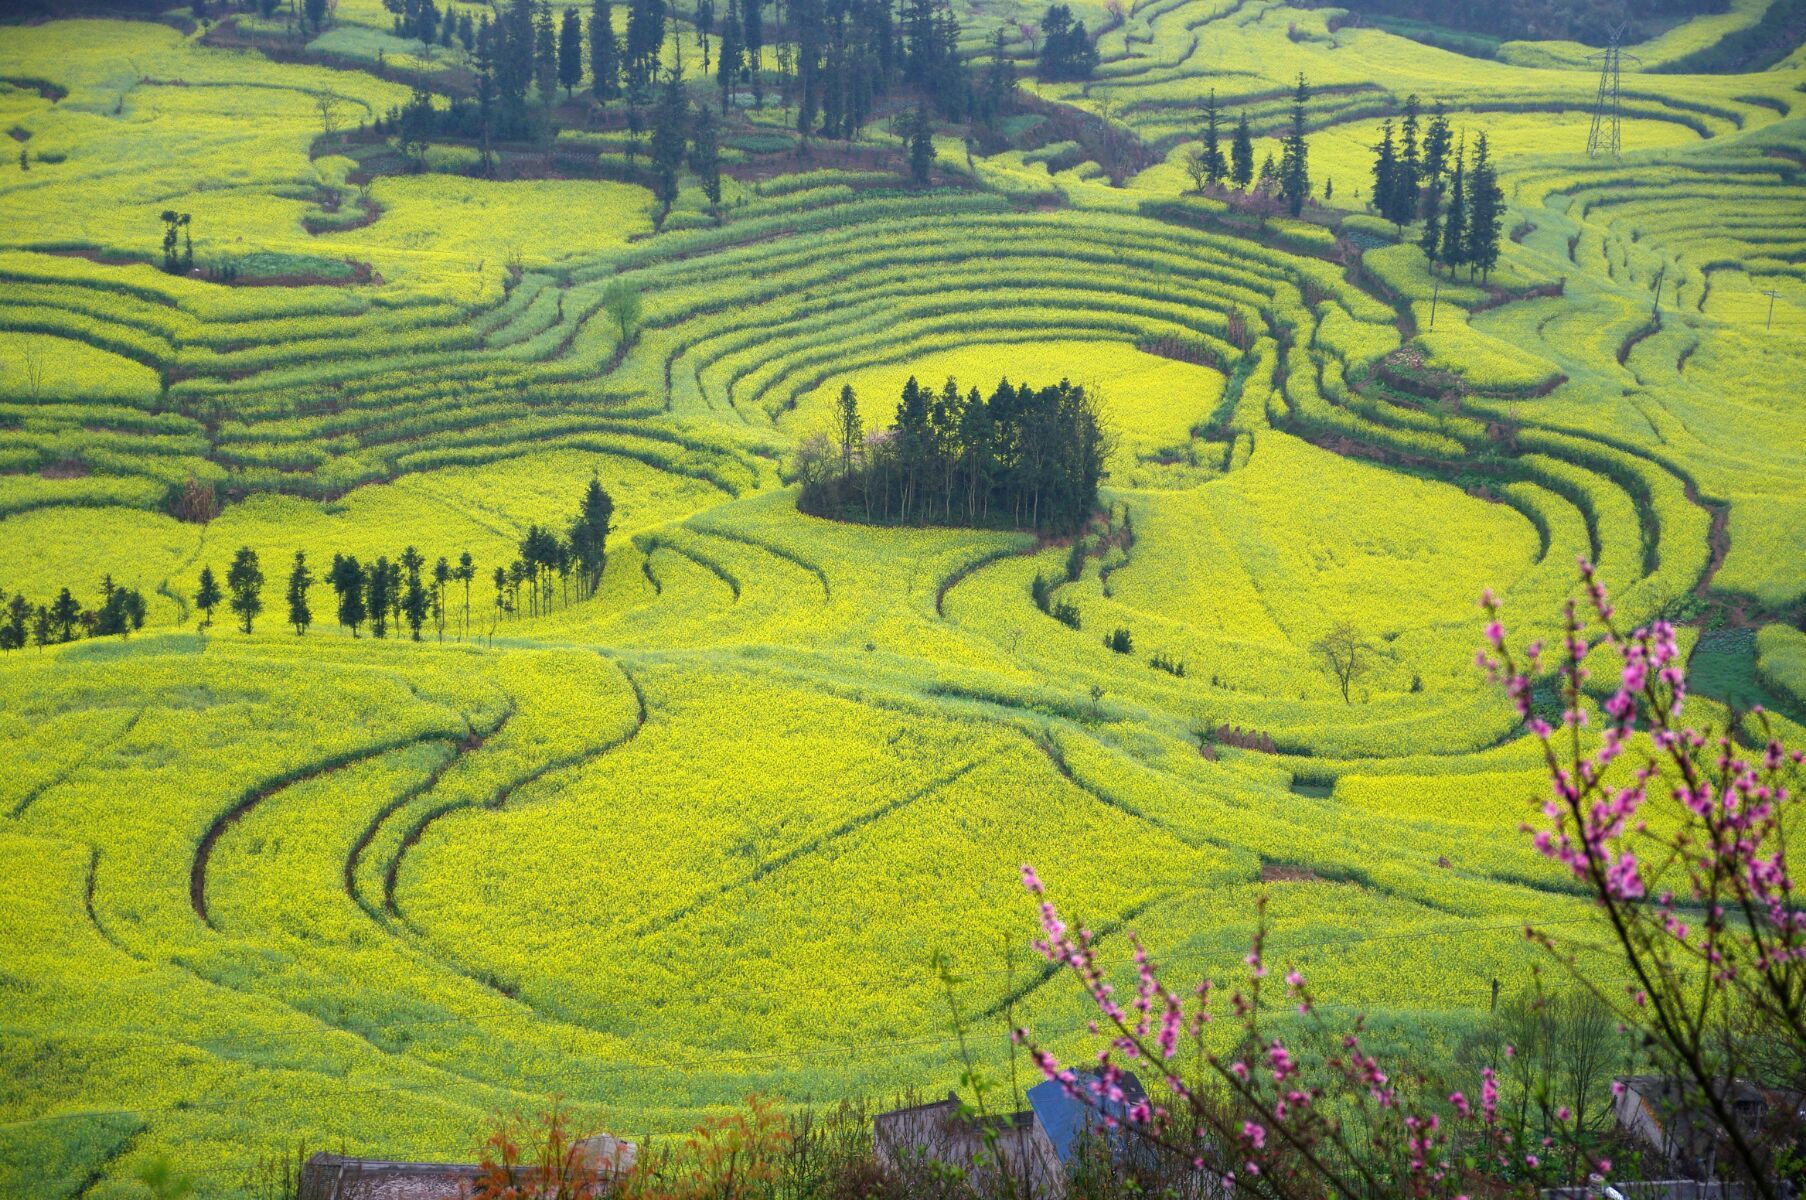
point(752, 33)
point(545, 55)
point(1431, 238)
point(728, 62)
point(1294, 167)
point(1486, 212)
point(1454, 226)
point(645, 36)
point(1241, 155)
point(921, 148)
point(207, 596)
point(570, 52)
point(604, 52)
point(347, 579)
point(1405, 180)
point(1436, 146)
point(244, 580)
point(1214, 166)
point(299, 580)
point(1385, 173)
point(705, 157)
point(668, 136)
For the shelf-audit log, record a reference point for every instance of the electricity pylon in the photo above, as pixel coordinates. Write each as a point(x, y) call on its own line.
point(1607, 106)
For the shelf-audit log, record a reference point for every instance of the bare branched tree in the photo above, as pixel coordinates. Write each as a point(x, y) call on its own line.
point(1346, 655)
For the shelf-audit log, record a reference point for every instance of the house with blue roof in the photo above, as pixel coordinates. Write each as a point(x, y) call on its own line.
point(1035, 1148)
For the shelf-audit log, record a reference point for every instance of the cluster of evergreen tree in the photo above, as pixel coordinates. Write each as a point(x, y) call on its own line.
point(1067, 51)
point(1295, 153)
point(23, 623)
point(423, 21)
point(1210, 167)
point(1025, 457)
point(836, 59)
point(1412, 175)
point(392, 594)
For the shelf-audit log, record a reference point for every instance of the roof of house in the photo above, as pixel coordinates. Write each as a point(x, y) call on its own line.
point(953, 1109)
point(335, 1177)
point(1066, 1117)
point(1664, 1089)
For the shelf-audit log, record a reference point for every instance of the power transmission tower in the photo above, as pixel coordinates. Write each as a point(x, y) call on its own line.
point(1607, 107)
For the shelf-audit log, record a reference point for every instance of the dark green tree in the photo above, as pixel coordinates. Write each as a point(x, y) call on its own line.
point(244, 580)
point(705, 157)
point(604, 53)
point(545, 54)
point(15, 632)
point(1486, 212)
point(207, 596)
point(1000, 86)
point(811, 39)
point(728, 63)
point(1454, 226)
point(1407, 178)
point(639, 99)
point(668, 135)
point(752, 34)
point(467, 571)
point(849, 430)
point(921, 147)
point(570, 52)
point(645, 35)
point(376, 590)
point(1066, 48)
point(442, 577)
point(589, 537)
point(1031, 456)
point(621, 301)
point(1431, 238)
point(1241, 155)
point(1385, 175)
point(1295, 166)
point(175, 229)
point(513, 54)
point(414, 600)
point(1215, 168)
point(121, 611)
point(313, 12)
point(395, 593)
point(704, 21)
point(299, 580)
point(347, 579)
point(1436, 147)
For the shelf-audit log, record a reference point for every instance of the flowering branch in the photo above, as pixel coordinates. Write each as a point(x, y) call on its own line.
point(1256, 1119)
point(1705, 917)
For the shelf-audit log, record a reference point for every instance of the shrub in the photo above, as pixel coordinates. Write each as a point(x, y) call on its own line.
point(1120, 641)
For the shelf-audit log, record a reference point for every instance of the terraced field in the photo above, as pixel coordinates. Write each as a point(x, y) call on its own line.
point(699, 834)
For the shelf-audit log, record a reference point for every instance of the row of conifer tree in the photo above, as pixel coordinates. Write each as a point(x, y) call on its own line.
point(1411, 175)
point(386, 595)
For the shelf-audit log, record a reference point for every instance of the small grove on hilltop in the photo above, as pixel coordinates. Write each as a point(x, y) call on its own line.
point(1025, 457)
